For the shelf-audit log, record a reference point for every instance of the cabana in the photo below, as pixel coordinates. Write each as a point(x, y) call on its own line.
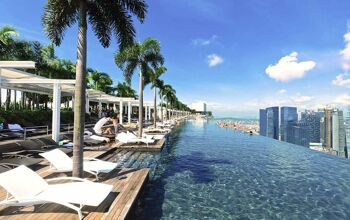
point(14, 79)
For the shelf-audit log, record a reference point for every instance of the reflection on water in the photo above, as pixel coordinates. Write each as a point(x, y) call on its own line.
point(199, 123)
point(206, 172)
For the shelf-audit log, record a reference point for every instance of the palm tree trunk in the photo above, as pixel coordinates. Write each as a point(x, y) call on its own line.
point(155, 107)
point(15, 98)
point(80, 87)
point(37, 101)
point(161, 108)
point(23, 100)
point(8, 99)
point(167, 111)
point(140, 102)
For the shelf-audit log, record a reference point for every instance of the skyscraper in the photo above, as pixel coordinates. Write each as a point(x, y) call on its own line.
point(328, 127)
point(272, 122)
point(323, 131)
point(297, 133)
point(338, 133)
point(347, 129)
point(288, 115)
point(269, 122)
point(262, 122)
point(312, 122)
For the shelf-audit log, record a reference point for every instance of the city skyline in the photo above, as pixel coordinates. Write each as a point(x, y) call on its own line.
point(300, 61)
point(326, 130)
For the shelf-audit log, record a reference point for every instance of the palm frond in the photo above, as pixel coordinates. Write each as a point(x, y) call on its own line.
point(121, 24)
point(58, 16)
point(137, 7)
point(99, 21)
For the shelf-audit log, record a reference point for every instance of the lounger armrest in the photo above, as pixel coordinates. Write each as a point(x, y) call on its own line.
point(7, 155)
point(9, 165)
point(35, 151)
point(50, 146)
point(68, 178)
point(91, 159)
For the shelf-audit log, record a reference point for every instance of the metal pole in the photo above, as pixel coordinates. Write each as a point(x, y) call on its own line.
point(129, 112)
point(56, 112)
point(121, 112)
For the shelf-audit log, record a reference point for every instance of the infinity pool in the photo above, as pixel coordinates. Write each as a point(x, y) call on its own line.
point(206, 172)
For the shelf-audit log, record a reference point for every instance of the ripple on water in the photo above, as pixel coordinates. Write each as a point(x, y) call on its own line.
point(206, 172)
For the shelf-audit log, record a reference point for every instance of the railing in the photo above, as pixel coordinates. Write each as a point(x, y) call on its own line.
point(39, 130)
point(26, 129)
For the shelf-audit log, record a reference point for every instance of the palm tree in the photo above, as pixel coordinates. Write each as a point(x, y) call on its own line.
point(99, 80)
point(139, 55)
point(156, 83)
point(169, 95)
point(107, 18)
point(6, 33)
point(124, 90)
point(160, 87)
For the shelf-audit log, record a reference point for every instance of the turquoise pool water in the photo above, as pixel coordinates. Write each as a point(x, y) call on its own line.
point(206, 172)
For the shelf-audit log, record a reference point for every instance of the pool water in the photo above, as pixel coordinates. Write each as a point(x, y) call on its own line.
point(206, 172)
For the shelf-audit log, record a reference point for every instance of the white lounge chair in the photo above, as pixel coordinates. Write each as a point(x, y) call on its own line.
point(158, 130)
point(26, 188)
point(147, 136)
point(129, 138)
point(60, 162)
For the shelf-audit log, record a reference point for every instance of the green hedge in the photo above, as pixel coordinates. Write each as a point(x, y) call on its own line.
point(36, 117)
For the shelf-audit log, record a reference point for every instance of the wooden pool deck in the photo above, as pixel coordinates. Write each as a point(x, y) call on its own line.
point(158, 146)
point(127, 186)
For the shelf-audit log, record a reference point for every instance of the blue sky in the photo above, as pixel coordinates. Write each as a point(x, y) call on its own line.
point(236, 55)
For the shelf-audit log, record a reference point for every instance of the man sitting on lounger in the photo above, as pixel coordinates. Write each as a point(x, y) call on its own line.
point(99, 129)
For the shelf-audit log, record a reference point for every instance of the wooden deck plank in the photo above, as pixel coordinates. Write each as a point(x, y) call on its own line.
point(158, 146)
point(127, 184)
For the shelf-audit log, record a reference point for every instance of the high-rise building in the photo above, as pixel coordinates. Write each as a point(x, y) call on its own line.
point(323, 131)
point(262, 122)
point(312, 121)
point(328, 127)
point(269, 122)
point(272, 122)
point(347, 130)
point(199, 106)
point(297, 133)
point(338, 133)
point(288, 116)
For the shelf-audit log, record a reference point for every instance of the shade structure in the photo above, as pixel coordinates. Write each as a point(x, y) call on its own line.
point(19, 80)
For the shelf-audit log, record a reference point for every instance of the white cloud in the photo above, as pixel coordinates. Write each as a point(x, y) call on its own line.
point(342, 99)
point(342, 80)
point(288, 68)
point(204, 42)
point(301, 99)
point(282, 91)
point(345, 53)
point(214, 60)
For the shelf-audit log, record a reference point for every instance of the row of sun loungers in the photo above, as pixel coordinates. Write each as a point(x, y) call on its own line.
point(26, 152)
point(17, 157)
